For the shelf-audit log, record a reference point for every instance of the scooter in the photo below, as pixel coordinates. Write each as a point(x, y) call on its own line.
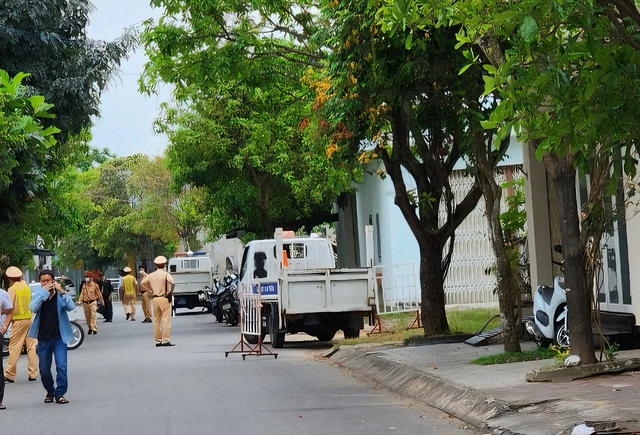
point(76, 340)
point(549, 325)
point(224, 301)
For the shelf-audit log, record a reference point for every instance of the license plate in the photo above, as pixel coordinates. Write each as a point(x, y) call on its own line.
point(226, 306)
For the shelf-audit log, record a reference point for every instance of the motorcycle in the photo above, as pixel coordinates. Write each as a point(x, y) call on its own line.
point(549, 324)
point(225, 304)
point(76, 340)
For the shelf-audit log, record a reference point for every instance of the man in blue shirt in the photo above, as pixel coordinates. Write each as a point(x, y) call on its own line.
point(52, 328)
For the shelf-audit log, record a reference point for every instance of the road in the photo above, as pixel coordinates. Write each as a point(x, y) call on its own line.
point(120, 383)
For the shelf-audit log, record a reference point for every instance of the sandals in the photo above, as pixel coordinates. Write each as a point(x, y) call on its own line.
point(49, 398)
point(2, 407)
point(61, 400)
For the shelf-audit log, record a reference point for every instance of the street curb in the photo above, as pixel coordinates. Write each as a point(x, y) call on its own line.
point(467, 404)
point(567, 374)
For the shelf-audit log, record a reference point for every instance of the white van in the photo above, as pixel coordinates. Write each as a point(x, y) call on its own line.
point(193, 274)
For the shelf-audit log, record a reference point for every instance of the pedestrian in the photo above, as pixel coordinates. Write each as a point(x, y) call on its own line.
point(106, 289)
point(20, 295)
point(6, 313)
point(146, 299)
point(52, 328)
point(90, 294)
point(159, 285)
point(129, 292)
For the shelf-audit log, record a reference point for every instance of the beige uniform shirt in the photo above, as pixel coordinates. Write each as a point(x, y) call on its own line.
point(158, 283)
point(90, 292)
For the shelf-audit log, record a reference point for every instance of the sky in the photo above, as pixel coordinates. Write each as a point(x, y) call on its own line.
point(126, 124)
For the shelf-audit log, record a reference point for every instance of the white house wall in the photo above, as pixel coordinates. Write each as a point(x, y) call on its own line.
point(469, 280)
point(633, 229)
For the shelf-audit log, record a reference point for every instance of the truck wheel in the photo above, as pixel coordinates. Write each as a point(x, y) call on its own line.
point(253, 339)
point(326, 336)
point(277, 338)
point(351, 333)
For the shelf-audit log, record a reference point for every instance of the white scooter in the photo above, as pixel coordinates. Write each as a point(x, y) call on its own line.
point(549, 325)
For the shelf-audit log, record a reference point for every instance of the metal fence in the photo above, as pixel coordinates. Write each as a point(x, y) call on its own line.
point(396, 289)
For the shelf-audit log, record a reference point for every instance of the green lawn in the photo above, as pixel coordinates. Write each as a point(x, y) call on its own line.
point(461, 321)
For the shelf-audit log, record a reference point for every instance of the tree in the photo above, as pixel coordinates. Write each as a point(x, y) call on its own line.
point(24, 150)
point(132, 208)
point(48, 40)
point(423, 119)
point(241, 136)
point(566, 76)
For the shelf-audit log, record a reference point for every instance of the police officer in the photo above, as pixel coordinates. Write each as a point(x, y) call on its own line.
point(89, 296)
point(129, 291)
point(159, 285)
point(146, 298)
point(6, 312)
point(20, 295)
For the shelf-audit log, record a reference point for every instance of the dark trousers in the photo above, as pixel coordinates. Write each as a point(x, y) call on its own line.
point(108, 310)
point(1, 371)
point(47, 351)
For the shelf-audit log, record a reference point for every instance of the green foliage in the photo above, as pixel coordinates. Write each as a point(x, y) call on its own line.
point(25, 145)
point(512, 357)
point(560, 353)
point(515, 217)
point(611, 351)
point(242, 133)
point(48, 40)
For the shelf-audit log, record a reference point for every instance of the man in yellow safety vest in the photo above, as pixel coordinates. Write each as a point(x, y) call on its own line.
point(129, 292)
point(20, 295)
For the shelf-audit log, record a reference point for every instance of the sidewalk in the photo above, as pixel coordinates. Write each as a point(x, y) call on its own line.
point(496, 397)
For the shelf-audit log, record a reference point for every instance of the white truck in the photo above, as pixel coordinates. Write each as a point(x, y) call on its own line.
point(302, 291)
point(193, 274)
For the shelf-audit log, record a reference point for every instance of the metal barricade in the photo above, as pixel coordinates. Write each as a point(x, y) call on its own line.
point(250, 324)
point(250, 314)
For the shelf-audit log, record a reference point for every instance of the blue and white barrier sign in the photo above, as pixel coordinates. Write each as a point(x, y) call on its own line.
point(267, 288)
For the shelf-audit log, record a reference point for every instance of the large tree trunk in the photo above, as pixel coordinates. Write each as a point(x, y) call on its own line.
point(507, 282)
point(433, 314)
point(563, 174)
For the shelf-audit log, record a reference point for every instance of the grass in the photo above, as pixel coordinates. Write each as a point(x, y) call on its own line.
point(461, 321)
point(510, 357)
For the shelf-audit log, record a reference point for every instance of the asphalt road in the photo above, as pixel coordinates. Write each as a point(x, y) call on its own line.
point(120, 383)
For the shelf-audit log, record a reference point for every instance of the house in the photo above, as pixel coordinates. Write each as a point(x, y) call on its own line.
point(620, 282)
point(396, 257)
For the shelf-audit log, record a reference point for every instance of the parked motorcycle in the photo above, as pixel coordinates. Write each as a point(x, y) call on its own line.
point(224, 300)
point(549, 325)
point(76, 340)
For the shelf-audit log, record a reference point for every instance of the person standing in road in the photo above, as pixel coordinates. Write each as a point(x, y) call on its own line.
point(51, 326)
point(89, 296)
point(20, 295)
point(106, 289)
point(6, 313)
point(159, 285)
point(129, 291)
point(146, 299)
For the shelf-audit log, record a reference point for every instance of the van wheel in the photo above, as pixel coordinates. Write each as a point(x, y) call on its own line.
point(277, 338)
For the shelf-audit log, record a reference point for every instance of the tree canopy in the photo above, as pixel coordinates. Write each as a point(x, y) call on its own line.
point(241, 132)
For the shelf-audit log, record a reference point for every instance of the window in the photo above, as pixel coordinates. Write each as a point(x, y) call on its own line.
point(189, 264)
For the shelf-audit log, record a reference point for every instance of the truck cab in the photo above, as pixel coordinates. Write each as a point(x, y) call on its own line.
point(261, 263)
point(193, 274)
